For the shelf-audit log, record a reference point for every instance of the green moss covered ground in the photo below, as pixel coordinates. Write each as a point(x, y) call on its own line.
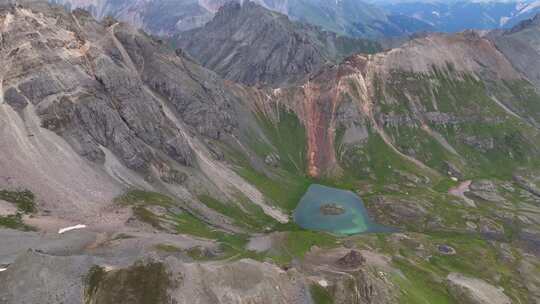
point(25, 203)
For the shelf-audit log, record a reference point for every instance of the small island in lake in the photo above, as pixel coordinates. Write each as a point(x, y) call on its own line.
point(332, 209)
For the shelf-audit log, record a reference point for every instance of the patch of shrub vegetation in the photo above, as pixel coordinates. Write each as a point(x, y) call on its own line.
point(167, 248)
point(24, 200)
point(139, 284)
point(14, 222)
point(146, 216)
point(319, 295)
point(141, 197)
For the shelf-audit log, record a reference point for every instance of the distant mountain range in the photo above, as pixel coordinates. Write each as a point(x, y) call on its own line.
point(346, 17)
point(253, 45)
point(454, 16)
point(162, 17)
point(165, 17)
point(349, 17)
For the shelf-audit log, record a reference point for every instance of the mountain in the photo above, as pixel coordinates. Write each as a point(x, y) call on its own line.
point(354, 18)
point(185, 184)
point(115, 105)
point(161, 17)
point(252, 45)
point(521, 45)
point(455, 16)
point(167, 17)
point(347, 17)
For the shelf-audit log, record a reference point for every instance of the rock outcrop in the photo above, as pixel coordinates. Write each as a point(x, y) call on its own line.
point(475, 291)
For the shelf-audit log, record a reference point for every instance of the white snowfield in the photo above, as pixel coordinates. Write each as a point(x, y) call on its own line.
point(3, 269)
point(63, 230)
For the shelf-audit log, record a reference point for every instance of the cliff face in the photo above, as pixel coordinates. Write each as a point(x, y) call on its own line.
point(93, 109)
point(252, 45)
point(521, 45)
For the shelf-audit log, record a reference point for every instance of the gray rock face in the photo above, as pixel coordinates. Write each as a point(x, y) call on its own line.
point(527, 185)
point(521, 45)
point(57, 279)
point(101, 107)
point(250, 44)
point(163, 17)
point(475, 291)
point(486, 190)
point(89, 94)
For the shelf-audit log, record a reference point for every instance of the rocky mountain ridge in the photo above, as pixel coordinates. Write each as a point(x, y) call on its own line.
point(168, 17)
point(350, 18)
point(455, 16)
point(252, 45)
point(83, 95)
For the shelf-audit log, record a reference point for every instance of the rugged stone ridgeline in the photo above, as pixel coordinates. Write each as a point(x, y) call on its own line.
point(165, 17)
point(521, 45)
point(407, 87)
point(255, 46)
point(158, 16)
point(231, 45)
point(95, 108)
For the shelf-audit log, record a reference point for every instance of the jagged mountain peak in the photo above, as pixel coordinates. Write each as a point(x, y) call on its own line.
point(521, 45)
point(253, 45)
point(532, 22)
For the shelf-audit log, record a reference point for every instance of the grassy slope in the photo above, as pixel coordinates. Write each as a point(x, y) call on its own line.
point(25, 203)
point(479, 117)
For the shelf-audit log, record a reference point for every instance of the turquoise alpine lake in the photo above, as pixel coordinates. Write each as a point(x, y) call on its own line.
point(333, 210)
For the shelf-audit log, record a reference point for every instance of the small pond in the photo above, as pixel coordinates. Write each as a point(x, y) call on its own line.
point(333, 210)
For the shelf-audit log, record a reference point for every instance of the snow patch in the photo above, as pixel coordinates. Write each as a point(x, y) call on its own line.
point(64, 230)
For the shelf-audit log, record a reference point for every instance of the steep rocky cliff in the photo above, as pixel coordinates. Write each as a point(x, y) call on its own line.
point(521, 45)
point(94, 109)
